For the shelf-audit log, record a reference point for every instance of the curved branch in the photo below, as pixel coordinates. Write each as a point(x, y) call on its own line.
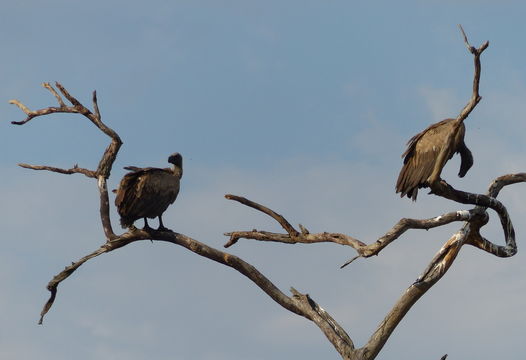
point(437, 268)
point(108, 158)
point(74, 170)
point(475, 97)
point(309, 238)
point(510, 247)
point(280, 219)
point(483, 202)
point(363, 249)
point(299, 304)
point(505, 180)
point(63, 275)
point(405, 224)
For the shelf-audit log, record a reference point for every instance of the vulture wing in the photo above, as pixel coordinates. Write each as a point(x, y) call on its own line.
point(421, 155)
point(145, 192)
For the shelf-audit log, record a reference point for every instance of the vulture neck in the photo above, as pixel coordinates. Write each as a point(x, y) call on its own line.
point(177, 171)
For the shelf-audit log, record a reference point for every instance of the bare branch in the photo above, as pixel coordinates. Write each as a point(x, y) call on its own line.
point(105, 208)
point(95, 105)
point(108, 158)
point(484, 244)
point(505, 180)
point(280, 219)
point(473, 101)
point(193, 245)
point(475, 97)
point(466, 42)
point(435, 271)
point(74, 170)
point(405, 224)
point(483, 202)
point(70, 98)
point(332, 330)
point(299, 304)
point(510, 248)
point(337, 238)
point(57, 96)
point(32, 114)
point(21, 107)
point(363, 249)
point(63, 275)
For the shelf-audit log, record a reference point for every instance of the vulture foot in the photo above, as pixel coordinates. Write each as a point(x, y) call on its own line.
point(163, 228)
point(147, 228)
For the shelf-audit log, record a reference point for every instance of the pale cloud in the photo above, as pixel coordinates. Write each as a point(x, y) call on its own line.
point(442, 103)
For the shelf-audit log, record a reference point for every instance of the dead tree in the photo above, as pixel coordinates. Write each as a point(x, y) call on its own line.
point(298, 303)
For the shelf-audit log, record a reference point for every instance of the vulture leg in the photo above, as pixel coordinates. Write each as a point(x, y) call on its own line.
point(161, 226)
point(146, 226)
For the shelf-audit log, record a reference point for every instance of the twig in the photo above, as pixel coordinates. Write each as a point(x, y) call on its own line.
point(74, 170)
point(280, 219)
point(57, 96)
point(63, 275)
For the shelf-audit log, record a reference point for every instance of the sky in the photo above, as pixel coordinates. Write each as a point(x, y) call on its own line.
point(303, 106)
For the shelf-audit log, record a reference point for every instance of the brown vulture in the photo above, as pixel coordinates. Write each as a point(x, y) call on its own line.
point(147, 192)
point(427, 153)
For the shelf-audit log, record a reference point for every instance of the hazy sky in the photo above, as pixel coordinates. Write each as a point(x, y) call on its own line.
point(304, 106)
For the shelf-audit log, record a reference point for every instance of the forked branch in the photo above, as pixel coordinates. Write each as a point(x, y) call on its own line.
point(474, 219)
point(108, 158)
point(298, 303)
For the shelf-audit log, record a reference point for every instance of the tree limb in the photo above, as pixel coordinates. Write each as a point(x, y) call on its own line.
point(74, 170)
point(280, 219)
point(299, 304)
point(108, 158)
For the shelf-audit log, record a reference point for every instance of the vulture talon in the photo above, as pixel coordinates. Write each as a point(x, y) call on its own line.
point(147, 228)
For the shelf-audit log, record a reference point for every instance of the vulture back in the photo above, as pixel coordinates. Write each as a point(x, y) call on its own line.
point(147, 192)
point(421, 159)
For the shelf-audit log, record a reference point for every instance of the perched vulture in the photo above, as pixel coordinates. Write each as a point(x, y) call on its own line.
point(147, 192)
point(422, 165)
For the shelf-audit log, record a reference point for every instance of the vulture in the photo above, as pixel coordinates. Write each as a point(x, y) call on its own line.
point(422, 163)
point(147, 192)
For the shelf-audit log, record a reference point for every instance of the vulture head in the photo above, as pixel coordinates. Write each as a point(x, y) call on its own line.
point(427, 153)
point(147, 192)
point(177, 160)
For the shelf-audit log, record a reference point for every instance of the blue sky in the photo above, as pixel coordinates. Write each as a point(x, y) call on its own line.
point(304, 106)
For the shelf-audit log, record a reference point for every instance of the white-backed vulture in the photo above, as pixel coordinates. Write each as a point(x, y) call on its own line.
point(422, 165)
point(147, 192)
